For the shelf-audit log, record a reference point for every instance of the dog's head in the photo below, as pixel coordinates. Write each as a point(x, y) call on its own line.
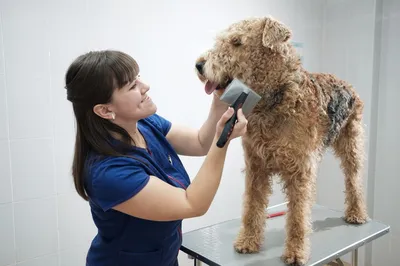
point(256, 51)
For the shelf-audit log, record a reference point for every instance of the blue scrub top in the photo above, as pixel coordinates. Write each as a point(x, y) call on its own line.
point(123, 239)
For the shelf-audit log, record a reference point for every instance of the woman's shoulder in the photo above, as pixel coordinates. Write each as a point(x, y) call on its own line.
point(159, 122)
point(107, 162)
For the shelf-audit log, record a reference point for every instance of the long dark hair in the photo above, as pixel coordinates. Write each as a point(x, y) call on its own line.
point(91, 79)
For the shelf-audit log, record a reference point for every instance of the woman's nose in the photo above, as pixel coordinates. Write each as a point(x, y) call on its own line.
point(145, 87)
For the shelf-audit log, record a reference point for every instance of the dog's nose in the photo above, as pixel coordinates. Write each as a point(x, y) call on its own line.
point(199, 66)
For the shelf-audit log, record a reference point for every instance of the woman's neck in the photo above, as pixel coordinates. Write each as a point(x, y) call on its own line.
point(134, 133)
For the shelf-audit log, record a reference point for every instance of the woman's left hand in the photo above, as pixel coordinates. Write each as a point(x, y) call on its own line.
point(217, 105)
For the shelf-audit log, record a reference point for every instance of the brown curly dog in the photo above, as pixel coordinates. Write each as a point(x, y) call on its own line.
point(300, 115)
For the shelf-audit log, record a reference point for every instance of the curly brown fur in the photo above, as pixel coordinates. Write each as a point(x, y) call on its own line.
point(300, 115)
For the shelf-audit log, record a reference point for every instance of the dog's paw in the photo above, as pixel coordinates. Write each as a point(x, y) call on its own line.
point(294, 258)
point(355, 216)
point(245, 244)
point(356, 219)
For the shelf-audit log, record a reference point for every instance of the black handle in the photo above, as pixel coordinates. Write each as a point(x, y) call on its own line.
point(228, 128)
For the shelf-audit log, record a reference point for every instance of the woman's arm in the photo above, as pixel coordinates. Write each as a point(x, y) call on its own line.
point(197, 142)
point(160, 201)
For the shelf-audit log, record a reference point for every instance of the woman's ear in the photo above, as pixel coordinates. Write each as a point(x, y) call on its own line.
point(275, 33)
point(103, 111)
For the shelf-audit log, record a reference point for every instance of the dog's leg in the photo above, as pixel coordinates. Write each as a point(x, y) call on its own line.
point(349, 147)
point(258, 188)
point(300, 190)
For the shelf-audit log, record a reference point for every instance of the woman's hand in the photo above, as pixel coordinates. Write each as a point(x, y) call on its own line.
point(218, 104)
point(239, 129)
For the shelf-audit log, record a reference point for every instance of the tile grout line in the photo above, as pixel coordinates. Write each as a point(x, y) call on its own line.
point(53, 145)
point(36, 257)
point(8, 139)
point(33, 138)
point(38, 198)
point(57, 253)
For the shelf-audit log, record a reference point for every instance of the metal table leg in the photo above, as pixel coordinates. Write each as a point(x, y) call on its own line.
point(354, 257)
point(196, 262)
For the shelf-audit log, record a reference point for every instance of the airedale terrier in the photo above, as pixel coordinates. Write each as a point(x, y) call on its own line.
point(300, 115)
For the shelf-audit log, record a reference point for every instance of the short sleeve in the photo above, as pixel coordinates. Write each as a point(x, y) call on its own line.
point(116, 180)
point(160, 123)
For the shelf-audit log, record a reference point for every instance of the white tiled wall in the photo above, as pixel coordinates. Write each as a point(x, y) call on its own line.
point(32, 168)
point(5, 172)
point(27, 68)
point(7, 250)
point(45, 260)
point(42, 221)
point(35, 224)
point(3, 102)
point(387, 178)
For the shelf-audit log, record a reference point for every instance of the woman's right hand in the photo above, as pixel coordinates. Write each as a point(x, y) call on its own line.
point(239, 129)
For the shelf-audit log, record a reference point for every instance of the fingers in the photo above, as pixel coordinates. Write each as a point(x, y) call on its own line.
point(225, 117)
point(240, 115)
point(239, 128)
point(242, 121)
point(241, 125)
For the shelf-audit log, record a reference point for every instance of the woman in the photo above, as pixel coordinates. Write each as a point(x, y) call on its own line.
point(126, 162)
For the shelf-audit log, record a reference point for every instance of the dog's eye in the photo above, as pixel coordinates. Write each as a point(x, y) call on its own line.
point(236, 41)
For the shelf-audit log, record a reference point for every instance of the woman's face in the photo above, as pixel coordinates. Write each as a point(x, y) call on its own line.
point(131, 103)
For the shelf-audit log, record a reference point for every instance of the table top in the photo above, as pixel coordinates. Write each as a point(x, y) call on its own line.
point(332, 237)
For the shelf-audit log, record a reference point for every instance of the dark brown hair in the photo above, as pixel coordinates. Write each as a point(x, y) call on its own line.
point(91, 79)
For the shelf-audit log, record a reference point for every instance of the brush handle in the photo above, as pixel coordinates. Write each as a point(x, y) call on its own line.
point(228, 128)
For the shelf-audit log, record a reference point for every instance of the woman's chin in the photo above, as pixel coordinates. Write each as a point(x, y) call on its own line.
point(151, 110)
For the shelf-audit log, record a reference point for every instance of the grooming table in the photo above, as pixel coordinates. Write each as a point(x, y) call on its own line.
point(332, 237)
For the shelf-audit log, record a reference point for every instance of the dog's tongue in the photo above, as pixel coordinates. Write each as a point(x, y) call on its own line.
point(210, 87)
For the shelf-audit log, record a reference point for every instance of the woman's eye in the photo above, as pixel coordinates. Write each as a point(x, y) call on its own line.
point(134, 85)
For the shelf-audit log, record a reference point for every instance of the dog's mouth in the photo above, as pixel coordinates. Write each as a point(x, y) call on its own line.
point(211, 86)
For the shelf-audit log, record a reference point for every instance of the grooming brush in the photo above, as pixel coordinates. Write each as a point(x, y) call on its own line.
point(239, 95)
point(228, 128)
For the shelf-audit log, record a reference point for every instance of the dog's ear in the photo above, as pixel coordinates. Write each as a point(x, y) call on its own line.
point(274, 32)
